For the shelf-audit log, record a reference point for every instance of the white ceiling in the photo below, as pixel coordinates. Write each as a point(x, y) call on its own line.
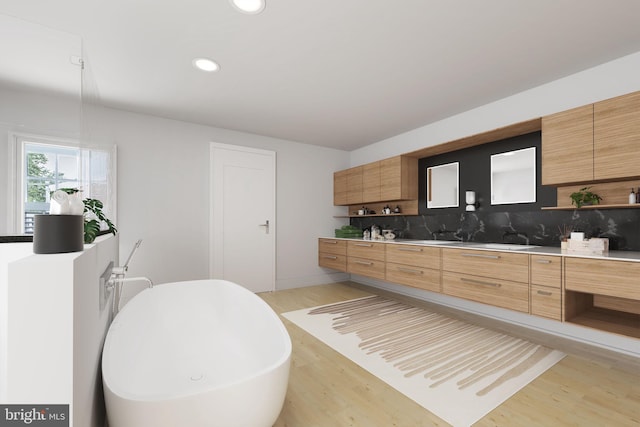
point(338, 73)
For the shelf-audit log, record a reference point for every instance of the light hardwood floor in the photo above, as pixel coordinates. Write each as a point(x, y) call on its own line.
point(589, 387)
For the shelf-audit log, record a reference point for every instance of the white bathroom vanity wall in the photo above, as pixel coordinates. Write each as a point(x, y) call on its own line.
point(53, 328)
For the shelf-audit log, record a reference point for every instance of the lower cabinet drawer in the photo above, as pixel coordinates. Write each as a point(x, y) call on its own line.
point(546, 302)
point(366, 267)
point(500, 293)
point(329, 260)
point(417, 277)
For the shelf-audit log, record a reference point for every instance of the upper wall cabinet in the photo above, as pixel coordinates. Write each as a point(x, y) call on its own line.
point(617, 137)
point(595, 142)
point(567, 146)
point(386, 180)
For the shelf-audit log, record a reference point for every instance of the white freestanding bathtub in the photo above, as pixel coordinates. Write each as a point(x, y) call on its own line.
point(197, 353)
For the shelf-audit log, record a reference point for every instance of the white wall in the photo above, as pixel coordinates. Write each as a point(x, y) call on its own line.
point(163, 188)
point(163, 197)
point(55, 329)
point(611, 79)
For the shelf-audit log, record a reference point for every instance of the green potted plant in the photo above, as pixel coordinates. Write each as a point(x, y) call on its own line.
point(583, 197)
point(93, 217)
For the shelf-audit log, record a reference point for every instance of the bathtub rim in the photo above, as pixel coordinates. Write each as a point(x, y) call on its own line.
point(285, 359)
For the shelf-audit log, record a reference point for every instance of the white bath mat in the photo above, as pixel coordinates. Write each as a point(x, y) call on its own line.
point(458, 371)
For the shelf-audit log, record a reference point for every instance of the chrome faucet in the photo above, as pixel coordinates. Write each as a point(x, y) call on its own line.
point(117, 279)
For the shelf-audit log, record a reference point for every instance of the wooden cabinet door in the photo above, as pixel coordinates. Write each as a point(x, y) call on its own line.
point(567, 146)
point(371, 182)
point(354, 185)
point(399, 178)
point(340, 188)
point(617, 137)
point(603, 277)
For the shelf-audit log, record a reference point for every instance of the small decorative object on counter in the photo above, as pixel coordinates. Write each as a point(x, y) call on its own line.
point(366, 235)
point(388, 234)
point(632, 197)
point(397, 209)
point(638, 195)
point(593, 246)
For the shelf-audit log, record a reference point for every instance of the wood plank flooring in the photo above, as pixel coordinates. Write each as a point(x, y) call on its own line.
point(589, 387)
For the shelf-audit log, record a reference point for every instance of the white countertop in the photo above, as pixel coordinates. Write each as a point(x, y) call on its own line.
point(505, 247)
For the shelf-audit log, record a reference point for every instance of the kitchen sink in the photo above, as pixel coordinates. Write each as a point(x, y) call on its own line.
point(502, 246)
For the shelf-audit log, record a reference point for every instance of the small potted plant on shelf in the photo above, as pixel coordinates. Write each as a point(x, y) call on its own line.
point(584, 197)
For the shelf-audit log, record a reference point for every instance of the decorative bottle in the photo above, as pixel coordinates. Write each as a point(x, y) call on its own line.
point(632, 197)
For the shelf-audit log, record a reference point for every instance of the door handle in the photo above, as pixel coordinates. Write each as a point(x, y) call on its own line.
point(266, 226)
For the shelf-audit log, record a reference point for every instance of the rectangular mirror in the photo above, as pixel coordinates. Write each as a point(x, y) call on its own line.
point(513, 177)
point(442, 186)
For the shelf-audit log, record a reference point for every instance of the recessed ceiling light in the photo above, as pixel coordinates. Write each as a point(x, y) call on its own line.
point(205, 64)
point(251, 7)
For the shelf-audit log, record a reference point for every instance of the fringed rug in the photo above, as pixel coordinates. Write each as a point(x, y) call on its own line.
point(456, 370)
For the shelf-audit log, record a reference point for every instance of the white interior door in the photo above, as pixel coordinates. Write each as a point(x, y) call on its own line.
point(243, 226)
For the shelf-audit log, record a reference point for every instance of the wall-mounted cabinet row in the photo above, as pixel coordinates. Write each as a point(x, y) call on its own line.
point(598, 293)
point(596, 142)
point(391, 179)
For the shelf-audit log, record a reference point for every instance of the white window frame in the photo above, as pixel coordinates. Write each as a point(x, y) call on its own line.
point(16, 178)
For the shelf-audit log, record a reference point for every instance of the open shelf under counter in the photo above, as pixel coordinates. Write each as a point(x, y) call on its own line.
point(614, 321)
point(364, 216)
point(592, 207)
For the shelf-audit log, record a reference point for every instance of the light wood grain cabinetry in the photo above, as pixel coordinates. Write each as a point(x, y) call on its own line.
point(567, 146)
point(546, 286)
point(617, 137)
point(496, 278)
point(332, 253)
point(596, 142)
point(399, 178)
point(340, 188)
point(354, 185)
point(371, 182)
point(604, 277)
point(413, 265)
point(388, 180)
point(603, 294)
point(493, 264)
point(366, 258)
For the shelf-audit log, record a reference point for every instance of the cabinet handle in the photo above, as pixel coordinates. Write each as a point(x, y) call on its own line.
point(410, 249)
point(480, 282)
point(543, 261)
point(331, 257)
point(482, 256)
point(364, 263)
point(545, 293)
point(365, 245)
point(410, 270)
point(331, 242)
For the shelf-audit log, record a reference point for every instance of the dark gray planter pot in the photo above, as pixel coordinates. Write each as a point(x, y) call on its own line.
point(55, 234)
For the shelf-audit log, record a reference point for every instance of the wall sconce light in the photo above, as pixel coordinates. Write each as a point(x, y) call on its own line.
point(470, 197)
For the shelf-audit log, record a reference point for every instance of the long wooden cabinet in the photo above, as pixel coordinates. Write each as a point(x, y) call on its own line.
point(595, 292)
point(389, 180)
point(596, 142)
